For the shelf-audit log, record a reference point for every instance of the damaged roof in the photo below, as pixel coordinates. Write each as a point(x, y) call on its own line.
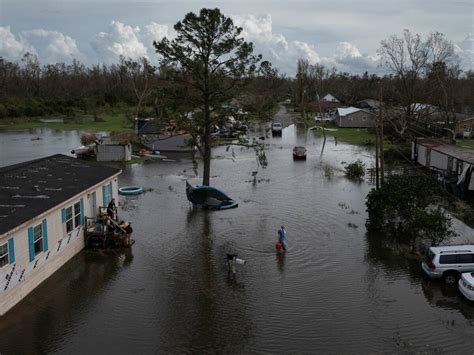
point(464, 154)
point(33, 187)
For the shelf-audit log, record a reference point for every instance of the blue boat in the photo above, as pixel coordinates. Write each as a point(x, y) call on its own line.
point(209, 197)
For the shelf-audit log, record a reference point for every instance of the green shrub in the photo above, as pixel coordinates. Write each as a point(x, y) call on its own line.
point(355, 170)
point(3, 111)
point(328, 170)
point(403, 209)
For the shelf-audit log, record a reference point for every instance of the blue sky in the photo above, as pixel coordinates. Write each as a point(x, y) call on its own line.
point(340, 33)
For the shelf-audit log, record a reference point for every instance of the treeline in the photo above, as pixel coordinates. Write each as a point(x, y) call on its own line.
point(421, 73)
point(313, 81)
point(419, 70)
point(30, 89)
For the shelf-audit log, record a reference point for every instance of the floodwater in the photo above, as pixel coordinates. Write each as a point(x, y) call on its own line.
point(336, 290)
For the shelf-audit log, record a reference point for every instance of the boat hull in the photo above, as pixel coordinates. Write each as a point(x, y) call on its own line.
point(209, 197)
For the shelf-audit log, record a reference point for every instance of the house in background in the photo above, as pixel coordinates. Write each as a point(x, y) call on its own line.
point(325, 107)
point(330, 98)
point(455, 164)
point(43, 205)
point(465, 128)
point(110, 150)
point(163, 137)
point(353, 117)
point(369, 104)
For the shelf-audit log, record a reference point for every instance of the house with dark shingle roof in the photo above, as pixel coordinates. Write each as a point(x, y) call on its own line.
point(43, 205)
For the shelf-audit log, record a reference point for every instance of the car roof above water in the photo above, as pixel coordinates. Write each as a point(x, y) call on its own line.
point(452, 249)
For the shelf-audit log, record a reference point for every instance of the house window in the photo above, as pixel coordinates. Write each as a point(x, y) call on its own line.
point(38, 238)
point(69, 221)
point(107, 194)
point(77, 214)
point(4, 259)
point(72, 217)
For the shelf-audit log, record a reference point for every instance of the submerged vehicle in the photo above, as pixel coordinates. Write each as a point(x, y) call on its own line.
point(209, 197)
point(276, 128)
point(299, 153)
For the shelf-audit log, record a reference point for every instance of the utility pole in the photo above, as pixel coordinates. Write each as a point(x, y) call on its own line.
point(381, 135)
point(377, 153)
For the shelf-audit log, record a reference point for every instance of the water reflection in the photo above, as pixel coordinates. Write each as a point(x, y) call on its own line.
point(55, 301)
point(337, 291)
point(280, 258)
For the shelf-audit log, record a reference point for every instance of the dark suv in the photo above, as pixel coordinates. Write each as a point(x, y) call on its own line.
point(276, 129)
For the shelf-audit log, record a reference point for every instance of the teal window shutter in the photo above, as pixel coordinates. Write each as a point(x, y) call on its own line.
point(111, 195)
point(11, 250)
point(104, 190)
point(63, 215)
point(31, 244)
point(45, 235)
point(82, 211)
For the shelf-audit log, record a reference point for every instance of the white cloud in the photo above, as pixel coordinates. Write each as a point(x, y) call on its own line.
point(348, 57)
point(55, 46)
point(274, 46)
point(120, 40)
point(465, 51)
point(156, 32)
point(284, 53)
point(10, 47)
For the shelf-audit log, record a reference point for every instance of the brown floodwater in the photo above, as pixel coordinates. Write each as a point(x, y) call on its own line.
point(336, 290)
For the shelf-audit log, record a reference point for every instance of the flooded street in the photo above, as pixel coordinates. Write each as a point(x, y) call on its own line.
point(336, 290)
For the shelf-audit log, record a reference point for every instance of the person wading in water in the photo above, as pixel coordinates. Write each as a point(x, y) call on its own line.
point(282, 237)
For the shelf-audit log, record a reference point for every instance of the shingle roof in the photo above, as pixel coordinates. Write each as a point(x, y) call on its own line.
point(31, 188)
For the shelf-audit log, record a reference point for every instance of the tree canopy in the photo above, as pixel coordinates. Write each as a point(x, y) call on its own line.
point(207, 62)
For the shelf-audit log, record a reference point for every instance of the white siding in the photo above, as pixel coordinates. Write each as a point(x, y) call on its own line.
point(421, 155)
point(20, 278)
point(439, 160)
point(108, 152)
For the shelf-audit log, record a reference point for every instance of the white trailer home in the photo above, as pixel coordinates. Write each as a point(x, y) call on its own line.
point(43, 205)
point(447, 159)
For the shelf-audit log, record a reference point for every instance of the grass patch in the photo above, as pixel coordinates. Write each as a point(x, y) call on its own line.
point(466, 143)
point(355, 136)
point(108, 120)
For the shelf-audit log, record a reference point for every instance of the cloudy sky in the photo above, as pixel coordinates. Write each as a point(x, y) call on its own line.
point(341, 33)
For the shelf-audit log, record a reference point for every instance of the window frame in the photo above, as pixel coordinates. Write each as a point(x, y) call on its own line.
point(108, 194)
point(5, 255)
point(76, 214)
point(69, 219)
point(72, 216)
point(38, 239)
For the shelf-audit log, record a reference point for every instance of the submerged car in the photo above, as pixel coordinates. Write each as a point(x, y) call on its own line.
point(299, 153)
point(466, 285)
point(448, 262)
point(277, 129)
